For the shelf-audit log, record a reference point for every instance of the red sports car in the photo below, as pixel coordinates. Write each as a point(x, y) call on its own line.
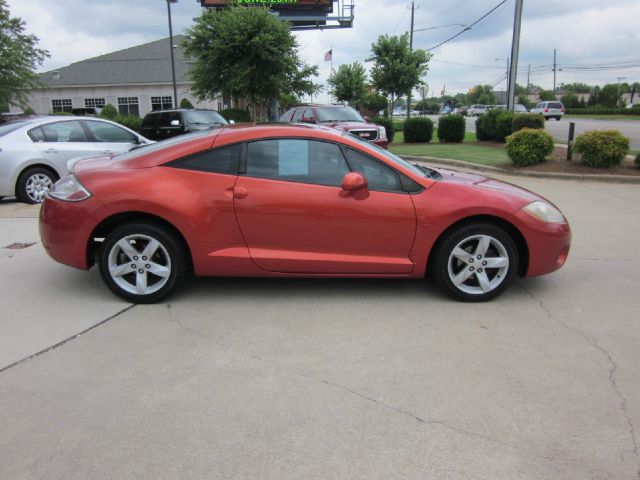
point(294, 201)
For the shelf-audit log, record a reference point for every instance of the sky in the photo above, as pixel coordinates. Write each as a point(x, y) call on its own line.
point(597, 41)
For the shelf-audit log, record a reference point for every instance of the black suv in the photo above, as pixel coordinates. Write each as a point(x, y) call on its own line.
point(163, 124)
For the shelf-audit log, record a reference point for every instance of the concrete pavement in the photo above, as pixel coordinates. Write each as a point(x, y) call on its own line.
point(248, 378)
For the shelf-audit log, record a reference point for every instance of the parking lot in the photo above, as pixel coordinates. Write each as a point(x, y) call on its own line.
point(328, 379)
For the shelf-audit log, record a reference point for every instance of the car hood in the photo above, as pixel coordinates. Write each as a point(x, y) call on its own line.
point(486, 184)
point(351, 125)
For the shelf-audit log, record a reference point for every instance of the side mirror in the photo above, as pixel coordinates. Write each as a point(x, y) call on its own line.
point(175, 123)
point(353, 181)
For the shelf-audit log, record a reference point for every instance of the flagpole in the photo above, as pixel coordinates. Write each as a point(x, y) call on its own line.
point(331, 50)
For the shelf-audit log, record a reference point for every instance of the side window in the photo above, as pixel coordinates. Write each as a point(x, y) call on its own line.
point(297, 160)
point(37, 135)
point(379, 176)
point(150, 120)
point(173, 116)
point(221, 160)
point(64, 132)
point(297, 115)
point(105, 132)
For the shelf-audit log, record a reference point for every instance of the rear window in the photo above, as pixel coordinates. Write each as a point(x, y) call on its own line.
point(137, 152)
point(555, 105)
point(10, 127)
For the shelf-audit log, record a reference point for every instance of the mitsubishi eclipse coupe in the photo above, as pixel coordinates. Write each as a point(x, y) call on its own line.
point(294, 201)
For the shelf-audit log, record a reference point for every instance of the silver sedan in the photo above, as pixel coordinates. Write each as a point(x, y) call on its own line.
point(34, 152)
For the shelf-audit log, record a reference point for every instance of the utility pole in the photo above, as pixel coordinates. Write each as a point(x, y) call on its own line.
point(410, 50)
point(173, 65)
point(528, 77)
point(515, 50)
point(554, 72)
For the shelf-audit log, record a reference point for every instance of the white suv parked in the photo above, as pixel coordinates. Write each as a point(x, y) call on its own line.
point(549, 110)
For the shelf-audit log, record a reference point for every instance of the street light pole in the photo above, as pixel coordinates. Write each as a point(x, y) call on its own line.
point(173, 65)
point(410, 50)
point(515, 50)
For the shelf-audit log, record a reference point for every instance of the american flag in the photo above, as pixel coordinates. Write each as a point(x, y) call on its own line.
point(328, 56)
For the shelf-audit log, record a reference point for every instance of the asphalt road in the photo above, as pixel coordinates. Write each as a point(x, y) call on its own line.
point(560, 129)
point(328, 379)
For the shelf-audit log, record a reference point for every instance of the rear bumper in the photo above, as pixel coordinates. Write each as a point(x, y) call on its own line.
point(65, 229)
point(381, 143)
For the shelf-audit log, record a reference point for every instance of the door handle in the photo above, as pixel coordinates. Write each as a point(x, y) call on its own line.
point(51, 150)
point(240, 192)
point(107, 151)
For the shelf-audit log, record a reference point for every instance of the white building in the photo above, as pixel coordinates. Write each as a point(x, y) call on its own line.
point(136, 81)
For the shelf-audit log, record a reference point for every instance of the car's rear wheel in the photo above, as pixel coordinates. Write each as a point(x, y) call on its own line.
point(142, 262)
point(33, 184)
point(475, 262)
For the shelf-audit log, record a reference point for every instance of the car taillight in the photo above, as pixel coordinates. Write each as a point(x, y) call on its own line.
point(69, 189)
point(562, 109)
point(546, 110)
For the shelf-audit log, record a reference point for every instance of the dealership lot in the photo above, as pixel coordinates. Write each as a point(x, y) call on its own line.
point(268, 378)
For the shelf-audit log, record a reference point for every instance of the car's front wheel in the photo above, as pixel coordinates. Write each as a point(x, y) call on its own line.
point(33, 184)
point(475, 262)
point(142, 262)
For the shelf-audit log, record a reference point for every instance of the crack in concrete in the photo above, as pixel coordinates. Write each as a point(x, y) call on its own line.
point(66, 340)
point(613, 365)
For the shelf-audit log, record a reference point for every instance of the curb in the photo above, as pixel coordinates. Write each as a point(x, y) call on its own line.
point(591, 177)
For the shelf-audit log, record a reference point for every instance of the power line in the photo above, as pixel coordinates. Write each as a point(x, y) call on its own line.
point(469, 27)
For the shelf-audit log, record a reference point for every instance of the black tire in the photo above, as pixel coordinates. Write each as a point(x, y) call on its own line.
point(169, 260)
point(471, 289)
point(33, 183)
point(558, 118)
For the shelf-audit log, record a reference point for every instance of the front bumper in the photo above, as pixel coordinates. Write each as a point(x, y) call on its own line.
point(548, 244)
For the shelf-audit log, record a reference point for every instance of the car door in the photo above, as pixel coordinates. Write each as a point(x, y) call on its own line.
point(296, 218)
point(61, 141)
point(110, 139)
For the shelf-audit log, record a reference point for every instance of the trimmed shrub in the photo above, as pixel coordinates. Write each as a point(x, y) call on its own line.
point(637, 161)
point(129, 121)
point(61, 114)
point(387, 123)
point(527, 120)
point(504, 125)
point(418, 130)
point(109, 112)
point(236, 114)
point(529, 146)
point(602, 148)
point(485, 128)
point(494, 125)
point(451, 128)
point(185, 103)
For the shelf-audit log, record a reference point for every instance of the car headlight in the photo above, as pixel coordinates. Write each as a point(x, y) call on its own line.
point(69, 189)
point(544, 212)
point(382, 133)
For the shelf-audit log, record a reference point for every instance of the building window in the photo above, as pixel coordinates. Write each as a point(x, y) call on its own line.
point(61, 105)
point(94, 102)
point(128, 106)
point(161, 103)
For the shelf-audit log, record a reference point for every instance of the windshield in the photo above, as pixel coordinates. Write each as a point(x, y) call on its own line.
point(338, 114)
point(207, 117)
point(395, 160)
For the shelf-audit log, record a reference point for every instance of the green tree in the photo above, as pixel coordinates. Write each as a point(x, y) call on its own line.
point(396, 69)
point(185, 103)
point(524, 100)
point(374, 101)
point(546, 95)
point(348, 83)
point(19, 58)
point(288, 100)
point(571, 100)
point(575, 87)
point(609, 95)
point(481, 94)
point(246, 52)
